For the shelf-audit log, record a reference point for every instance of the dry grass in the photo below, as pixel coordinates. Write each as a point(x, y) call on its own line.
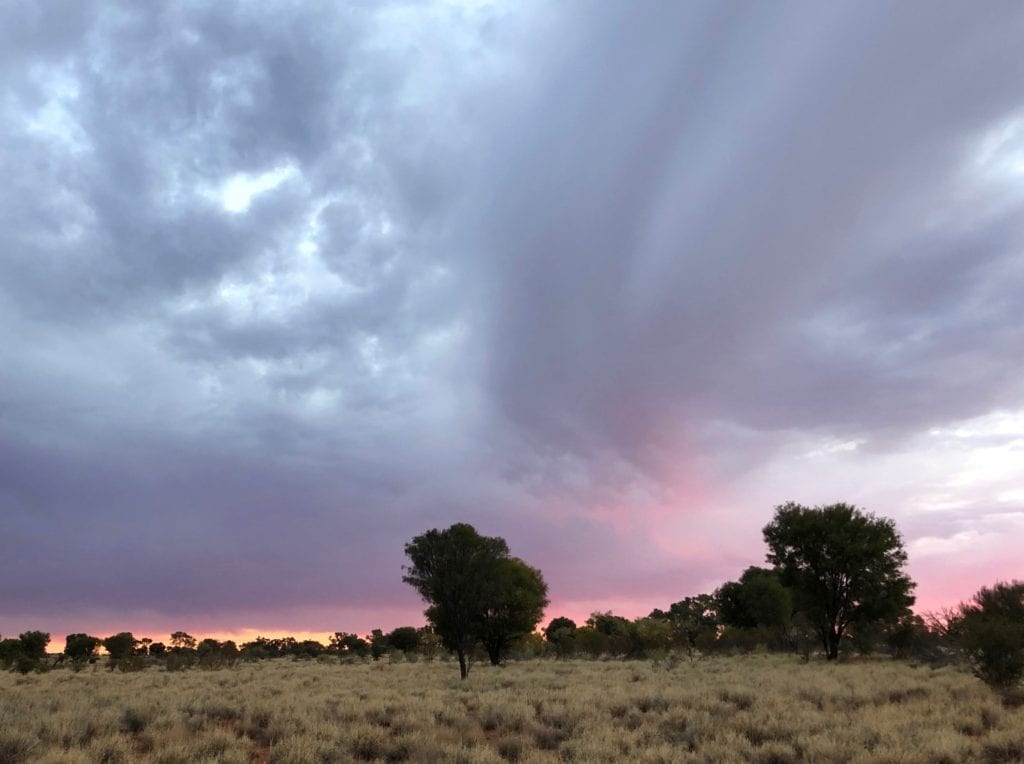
point(750, 709)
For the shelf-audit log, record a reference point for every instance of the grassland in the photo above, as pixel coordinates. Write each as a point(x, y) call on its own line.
point(757, 708)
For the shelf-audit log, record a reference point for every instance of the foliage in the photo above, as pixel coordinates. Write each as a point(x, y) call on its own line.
point(844, 566)
point(10, 651)
point(122, 650)
point(758, 599)
point(80, 648)
point(989, 630)
point(473, 589)
point(515, 601)
point(693, 621)
point(346, 644)
point(181, 640)
point(561, 634)
point(403, 638)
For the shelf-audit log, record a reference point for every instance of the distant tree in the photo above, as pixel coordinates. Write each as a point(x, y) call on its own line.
point(514, 606)
point(466, 581)
point(157, 648)
point(591, 642)
point(307, 649)
point(844, 566)
point(378, 644)
point(121, 648)
point(561, 634)
point(989, 630)
point(693, 621)
point(10, 652)
point(27, 653)
point(649, 636)
point(208, 652)
point(80, 648)
point(404, 638)
point(181, 640)
point(430, 643)
point(256, 650)
point(33, 644)
point(343, 643)
point(559, 628)
point(758, 599)
point(616, 630)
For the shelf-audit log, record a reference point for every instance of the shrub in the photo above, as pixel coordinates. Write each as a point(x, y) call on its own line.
point(990, 632)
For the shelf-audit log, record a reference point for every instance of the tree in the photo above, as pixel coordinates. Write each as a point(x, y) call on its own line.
point(989, 630)
point(561, 633)
point(844, 566)
point(758, 599)
point(466, 580)
point(30, 653)
point(403, 638)
point(79, 648)
point(344, 644)
point(121, 647)
point(693, 621)
point(515, 604)
point(10, 652)
point(181, 641)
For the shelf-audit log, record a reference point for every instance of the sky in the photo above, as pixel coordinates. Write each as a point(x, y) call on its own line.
point(285, 284)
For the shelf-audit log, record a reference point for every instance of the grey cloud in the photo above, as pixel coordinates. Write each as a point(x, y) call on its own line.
point(524, 260)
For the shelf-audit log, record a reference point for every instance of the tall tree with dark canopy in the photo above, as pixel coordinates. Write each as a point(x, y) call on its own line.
point(467, 581)
point(844, 566)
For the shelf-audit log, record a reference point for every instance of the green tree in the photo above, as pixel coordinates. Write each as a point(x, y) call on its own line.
point(561, 634)
point(514, 606)
point(121, 648)
point(844, 566)
point(345, 644)
point(616, 630)
point(468, 584)
point(693, 621)
point(989, 630)
point(758, 599)
point(404, 638)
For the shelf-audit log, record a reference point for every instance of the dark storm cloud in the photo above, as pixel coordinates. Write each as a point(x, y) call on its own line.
point(283, 285)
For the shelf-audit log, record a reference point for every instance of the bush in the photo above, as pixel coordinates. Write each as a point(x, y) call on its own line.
point(990, 632)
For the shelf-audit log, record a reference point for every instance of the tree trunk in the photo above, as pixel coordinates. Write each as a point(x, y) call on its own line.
point(463, 664)
point(494, 653)
point(833, 644)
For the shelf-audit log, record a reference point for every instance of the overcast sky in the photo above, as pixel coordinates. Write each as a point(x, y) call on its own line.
point(285, 284)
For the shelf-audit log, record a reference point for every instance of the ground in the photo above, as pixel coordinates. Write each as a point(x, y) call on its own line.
point(765, 708)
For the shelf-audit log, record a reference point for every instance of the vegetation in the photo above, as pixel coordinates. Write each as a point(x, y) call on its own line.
point(475, 590)
point(844, 567)
point(701, 683)
point(756, 708)
point(989, 631)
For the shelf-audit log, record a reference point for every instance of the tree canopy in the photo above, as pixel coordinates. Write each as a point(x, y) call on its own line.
point(990, 631)
point(844, 566)
point(475, 590)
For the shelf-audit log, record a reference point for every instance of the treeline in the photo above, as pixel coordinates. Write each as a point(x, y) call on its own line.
point(125, 652)
point(836, 582)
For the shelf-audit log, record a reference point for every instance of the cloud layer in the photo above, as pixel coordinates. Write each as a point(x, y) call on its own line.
point(284, 285)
